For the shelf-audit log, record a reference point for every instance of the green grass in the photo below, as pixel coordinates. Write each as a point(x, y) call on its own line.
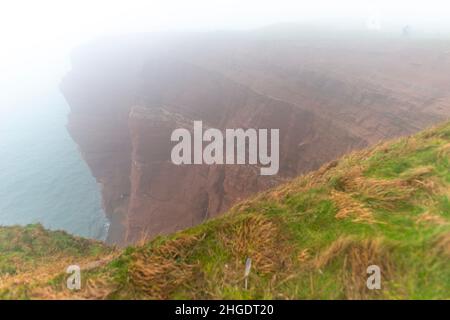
point(23, 248)
point(312, 238)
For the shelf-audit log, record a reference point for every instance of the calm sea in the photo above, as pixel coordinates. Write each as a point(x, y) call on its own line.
point(42, 176)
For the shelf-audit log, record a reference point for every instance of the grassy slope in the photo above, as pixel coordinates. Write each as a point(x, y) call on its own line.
point(312, 238)
point(33, 254)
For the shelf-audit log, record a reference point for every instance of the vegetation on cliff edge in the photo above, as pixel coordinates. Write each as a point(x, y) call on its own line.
point(312, 238)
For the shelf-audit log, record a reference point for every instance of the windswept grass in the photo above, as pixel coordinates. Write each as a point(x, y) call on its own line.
point(312, 238)
point(32, 254)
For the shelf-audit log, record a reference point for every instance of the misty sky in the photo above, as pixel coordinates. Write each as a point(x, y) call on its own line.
point(35, 31)
point(56, 23)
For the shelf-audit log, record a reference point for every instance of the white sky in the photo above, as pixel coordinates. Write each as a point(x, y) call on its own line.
point(62, 22)
point(50, 28)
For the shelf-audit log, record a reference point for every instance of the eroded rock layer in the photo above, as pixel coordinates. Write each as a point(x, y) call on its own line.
point(327, 93)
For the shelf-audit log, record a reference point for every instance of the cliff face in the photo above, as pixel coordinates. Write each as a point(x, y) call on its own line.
point(388, 206)
point(326, 96)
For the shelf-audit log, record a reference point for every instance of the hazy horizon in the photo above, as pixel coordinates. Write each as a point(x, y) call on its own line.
point(40, 37)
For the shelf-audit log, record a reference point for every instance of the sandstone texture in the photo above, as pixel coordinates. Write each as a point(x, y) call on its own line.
point(327, 93)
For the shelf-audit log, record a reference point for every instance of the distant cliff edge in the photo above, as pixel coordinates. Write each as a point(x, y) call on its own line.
point(327, 94)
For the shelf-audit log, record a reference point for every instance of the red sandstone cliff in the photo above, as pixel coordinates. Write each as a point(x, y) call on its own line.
point(326, 93)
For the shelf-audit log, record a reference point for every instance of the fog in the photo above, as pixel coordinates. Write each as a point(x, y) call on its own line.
point(43, 174)
point(57, 24)
point(37, 36)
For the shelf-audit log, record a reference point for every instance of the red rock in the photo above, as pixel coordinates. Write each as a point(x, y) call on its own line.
point(327, 95)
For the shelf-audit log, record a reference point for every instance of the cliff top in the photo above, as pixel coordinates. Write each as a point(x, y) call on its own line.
point(312, 238)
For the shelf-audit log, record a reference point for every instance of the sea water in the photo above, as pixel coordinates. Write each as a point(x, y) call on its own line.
point(43, 178)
